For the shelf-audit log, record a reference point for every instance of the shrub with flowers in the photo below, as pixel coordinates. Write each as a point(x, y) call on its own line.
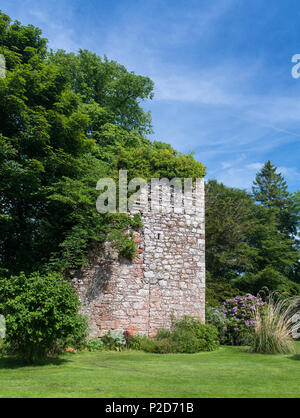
point(240, 317)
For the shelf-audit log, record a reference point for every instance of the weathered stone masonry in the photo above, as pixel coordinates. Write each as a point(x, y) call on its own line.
point(166, 278)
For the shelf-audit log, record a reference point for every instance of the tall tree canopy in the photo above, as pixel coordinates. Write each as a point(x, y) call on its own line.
point(246, 245)
point(270, 190)
point(67, 120)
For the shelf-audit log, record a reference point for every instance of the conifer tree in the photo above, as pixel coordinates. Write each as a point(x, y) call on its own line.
point(270, 190)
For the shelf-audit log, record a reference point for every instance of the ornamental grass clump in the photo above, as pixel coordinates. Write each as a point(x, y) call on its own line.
point(240, 318)
point(273, 331)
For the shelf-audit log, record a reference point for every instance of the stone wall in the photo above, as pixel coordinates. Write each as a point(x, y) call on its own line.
point(166, 278)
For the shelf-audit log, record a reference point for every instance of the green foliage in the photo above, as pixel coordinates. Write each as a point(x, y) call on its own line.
point(135, 342)
point(163, 333)
point(297, 201)
point(19, 43)
point(268, 277)
point(156, 160)
point(187, 342)
point(41, 315)
point(189, 335)
point(228, 222)
point(273, 247)
point(114, 340)
point(95, 344)
point(215, 316)
point(218, 290)
point(161, 346)
point(66, 121)
point(123, 243)
point(42, 139)
point(270, 190)
point(108, 87)
point(246, 245)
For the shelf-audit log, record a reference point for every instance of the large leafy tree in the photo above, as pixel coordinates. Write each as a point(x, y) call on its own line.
point(42, 138)
point(67, 120)
point(116, 91)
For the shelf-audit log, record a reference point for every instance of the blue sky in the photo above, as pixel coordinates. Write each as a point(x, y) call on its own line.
point(222, 72)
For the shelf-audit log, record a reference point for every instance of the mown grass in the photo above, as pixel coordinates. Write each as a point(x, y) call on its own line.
point(228, 372)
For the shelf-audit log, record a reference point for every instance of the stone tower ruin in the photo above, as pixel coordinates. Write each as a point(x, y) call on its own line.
point(167, 278)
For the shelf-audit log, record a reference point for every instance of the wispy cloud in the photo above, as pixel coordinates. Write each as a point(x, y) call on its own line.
point(221, 69)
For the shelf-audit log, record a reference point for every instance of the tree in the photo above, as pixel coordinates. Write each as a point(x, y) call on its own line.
point(245, 248)
point(270, 190)
point(297, 199)
point(42, 138)
point(66, 121)
point(269, 278)
point(116, 91)
point(228, 222)
point(274, 248)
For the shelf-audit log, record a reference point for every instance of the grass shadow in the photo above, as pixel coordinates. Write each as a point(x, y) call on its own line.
point(16, 363)
point(295, 357)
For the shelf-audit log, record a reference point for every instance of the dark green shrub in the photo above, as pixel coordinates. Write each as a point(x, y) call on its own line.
point(95, 344)
point(41, 315)
point(75, 341)
point(135, 342)
point(162, 346)
point(3, 348)
point(163, 333)
point(217, 291)
point(189, 335)
point(186, 341)
point(192, 335)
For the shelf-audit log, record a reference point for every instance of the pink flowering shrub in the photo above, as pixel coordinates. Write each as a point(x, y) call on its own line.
point(240, 317)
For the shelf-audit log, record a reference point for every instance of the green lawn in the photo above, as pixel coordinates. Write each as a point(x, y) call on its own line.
point(228, 372)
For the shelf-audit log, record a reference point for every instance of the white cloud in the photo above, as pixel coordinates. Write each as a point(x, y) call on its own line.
point(255, 166)
point(212, 103)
